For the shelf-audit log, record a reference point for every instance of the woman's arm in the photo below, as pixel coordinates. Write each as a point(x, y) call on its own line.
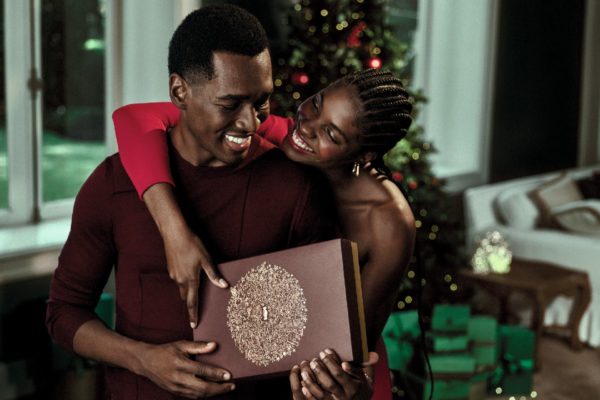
point(141, 131)
point(392, 231)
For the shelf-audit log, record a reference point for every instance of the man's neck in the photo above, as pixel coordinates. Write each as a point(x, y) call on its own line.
point(190, 150)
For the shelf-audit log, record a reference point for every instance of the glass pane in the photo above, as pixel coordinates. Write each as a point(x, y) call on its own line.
point(402, 15)
point(3, 156)
point(73, 102)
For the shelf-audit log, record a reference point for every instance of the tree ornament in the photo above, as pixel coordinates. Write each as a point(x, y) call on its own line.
point(300, 78)
point(374, 62)
point(397, 176)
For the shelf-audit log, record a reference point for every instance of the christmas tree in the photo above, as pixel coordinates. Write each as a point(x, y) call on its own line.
point(330, 38)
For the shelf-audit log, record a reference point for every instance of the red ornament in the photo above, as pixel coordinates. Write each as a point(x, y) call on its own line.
point(300, 78)
point(374, 62)
point(412, 185)
point(353, 37)
point(397, 177)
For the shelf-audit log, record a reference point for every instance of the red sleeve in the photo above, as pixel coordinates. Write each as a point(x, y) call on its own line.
point(141, 137)
point(85, 261)
point(275, 128)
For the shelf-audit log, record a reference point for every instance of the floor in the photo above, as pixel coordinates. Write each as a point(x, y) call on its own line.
point(566, 374)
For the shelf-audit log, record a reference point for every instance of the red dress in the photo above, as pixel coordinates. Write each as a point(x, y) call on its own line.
point(146, 160)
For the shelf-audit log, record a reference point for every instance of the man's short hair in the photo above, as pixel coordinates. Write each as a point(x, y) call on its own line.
point(213, 28)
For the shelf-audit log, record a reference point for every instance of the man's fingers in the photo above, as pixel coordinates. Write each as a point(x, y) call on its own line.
point(310, 381)
point(324, 378)
point(295, 384)
point(196, 347)
point(213, 275)
point(182, 292)
point(192, 302)
point(204, 371)
point(198, 387)
point(373, 359)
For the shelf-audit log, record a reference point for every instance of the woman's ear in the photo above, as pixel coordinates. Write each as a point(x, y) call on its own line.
point(367, 157)
point(178, 91)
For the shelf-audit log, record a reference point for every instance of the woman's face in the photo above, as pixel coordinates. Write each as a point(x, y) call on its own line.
point(325, 134)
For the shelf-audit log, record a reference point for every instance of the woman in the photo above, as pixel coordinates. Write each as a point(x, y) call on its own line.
point(343, 130)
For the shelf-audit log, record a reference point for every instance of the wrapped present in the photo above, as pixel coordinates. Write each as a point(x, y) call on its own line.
point(399, 335)
point(448, 389)
point(482, 329)
point(106, 309)
point(455, 364)
point(514, 375)
point(450, 318)
point(447, 343)
point(484, 354)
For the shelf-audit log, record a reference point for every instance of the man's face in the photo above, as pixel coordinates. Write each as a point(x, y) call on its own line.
point(219, 116)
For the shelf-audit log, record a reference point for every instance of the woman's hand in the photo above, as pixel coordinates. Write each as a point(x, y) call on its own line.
point(186, 255)
point(186, 259)
point(327, 377)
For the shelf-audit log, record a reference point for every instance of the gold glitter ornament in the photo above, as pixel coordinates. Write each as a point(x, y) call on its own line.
point(267, 314)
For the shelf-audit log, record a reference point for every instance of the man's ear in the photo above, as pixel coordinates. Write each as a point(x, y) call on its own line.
point(178, 91)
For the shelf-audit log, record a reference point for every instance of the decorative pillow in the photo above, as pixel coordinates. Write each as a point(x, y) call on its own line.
point(554, 193)
point(579, 216)
point(516, 208)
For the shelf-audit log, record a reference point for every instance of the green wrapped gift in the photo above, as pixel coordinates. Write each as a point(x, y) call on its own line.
point(447, 343)
point(515, 373)
point(485, 354)
point(106, 309)
point(460, 363)
point(447, 389)
point(482, 329)
point(399, 334)
point(450, 318)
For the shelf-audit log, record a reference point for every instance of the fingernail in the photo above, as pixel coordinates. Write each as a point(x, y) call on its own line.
point(232, 387)
point(295, 367)
point(305, 376)
point(193, 325)
point(226, 376)
point(322, 355)
point(313, 364)
point(305, 392)
point(328, 351)
point(223, 282)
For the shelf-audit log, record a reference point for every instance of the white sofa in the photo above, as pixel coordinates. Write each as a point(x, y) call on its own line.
point(486, 209)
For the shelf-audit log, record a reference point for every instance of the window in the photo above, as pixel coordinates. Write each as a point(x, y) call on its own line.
point(52, 114)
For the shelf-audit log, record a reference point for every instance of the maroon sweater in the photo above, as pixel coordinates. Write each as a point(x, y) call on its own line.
point(265, 204)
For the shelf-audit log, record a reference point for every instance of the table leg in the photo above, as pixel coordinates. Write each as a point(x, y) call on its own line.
point(580, 303)
point(537, 324)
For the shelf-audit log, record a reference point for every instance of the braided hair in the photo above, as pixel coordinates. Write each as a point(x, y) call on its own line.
point(386, 109)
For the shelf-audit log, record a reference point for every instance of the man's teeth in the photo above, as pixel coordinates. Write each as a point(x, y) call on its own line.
point(300, 143)
point(238, 140)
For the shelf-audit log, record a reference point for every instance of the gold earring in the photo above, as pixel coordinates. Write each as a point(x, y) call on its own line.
point(356, 168)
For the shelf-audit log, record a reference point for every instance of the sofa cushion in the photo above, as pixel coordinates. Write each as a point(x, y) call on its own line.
point(516, 208)
point(579, 216)
point(554, 193)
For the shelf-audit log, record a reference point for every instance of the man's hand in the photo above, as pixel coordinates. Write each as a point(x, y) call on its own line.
point(186, 259)
point(328, 377)
point(170, 367)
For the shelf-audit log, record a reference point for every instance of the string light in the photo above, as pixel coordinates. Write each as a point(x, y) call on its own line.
point(324, 12)
point(418, 224)
point(533, 394)
point(498, 390)
point(375, 63)
point(411, 274)
point(355, 15)
point(312, 29)
point(401, 305)
point(408, 299)
point(448, 278)
point(297, 7)
point(277, 82)
point(454, 287)
point(376, 50)
point(295, 95)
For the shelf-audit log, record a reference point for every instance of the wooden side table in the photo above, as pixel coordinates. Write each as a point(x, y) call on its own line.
point(541, 282)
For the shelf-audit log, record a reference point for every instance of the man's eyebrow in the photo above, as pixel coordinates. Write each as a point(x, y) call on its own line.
point(242, 96)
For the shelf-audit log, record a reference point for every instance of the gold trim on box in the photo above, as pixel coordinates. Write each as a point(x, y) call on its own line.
point(267, 314)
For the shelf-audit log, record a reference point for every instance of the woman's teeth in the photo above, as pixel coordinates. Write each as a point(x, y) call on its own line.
point(300, 143)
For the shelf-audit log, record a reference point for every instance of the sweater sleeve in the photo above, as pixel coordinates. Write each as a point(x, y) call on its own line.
point(85, 262)
point(275, 129)
point(141, 136)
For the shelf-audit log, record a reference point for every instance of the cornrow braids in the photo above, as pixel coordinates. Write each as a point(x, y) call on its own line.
point(386, 109)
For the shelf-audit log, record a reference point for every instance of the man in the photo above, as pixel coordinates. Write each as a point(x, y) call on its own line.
point(237, 191)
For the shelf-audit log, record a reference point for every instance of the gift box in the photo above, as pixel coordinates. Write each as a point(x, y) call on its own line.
point(484, 354)
point(284, 307)
point(456, 364)
point(516, 349)
point(448, 389)
point(450, 318)
point(447, 343)
point(482, 329)
point(399, 335)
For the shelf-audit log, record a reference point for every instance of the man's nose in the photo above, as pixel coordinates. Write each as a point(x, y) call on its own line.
point(306, 128)
point(248, 119)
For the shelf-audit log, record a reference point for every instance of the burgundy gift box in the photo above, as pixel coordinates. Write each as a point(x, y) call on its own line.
point(284, 307)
